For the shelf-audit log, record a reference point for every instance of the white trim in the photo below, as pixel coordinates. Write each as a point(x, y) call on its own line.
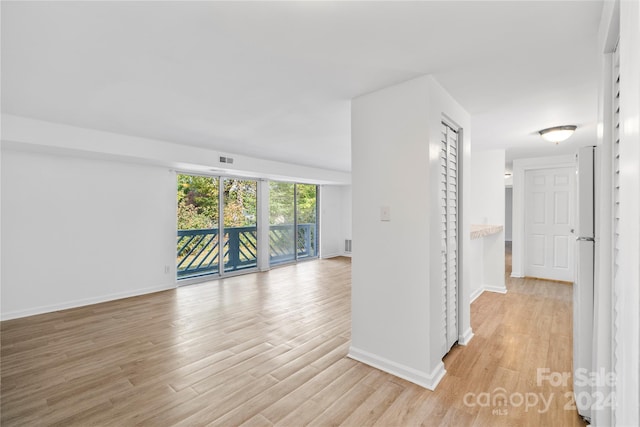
point(627, 315)
point(520, 166)
point(475, 294)
point(332, 255)
point(466, 337)
point(496, 289)
point(83, 302)
point(429, 381)
point(264, 202)
point(603, 341)
point(487, 288)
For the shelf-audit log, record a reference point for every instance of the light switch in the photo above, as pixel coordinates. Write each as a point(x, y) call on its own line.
point(385, 213)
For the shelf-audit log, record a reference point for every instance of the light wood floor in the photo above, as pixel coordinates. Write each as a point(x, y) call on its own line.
point(269, 349)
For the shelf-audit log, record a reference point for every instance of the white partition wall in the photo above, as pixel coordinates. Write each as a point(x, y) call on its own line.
point(397, 298)
point(487, 207)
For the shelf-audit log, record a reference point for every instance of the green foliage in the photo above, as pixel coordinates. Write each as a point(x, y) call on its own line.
point(281, 206)
point(198, 202)
point(306, 203)
point(240, 203)
point(189, 218)
point(281, 203)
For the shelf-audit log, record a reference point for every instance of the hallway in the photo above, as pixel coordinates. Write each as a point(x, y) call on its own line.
point(517, 333)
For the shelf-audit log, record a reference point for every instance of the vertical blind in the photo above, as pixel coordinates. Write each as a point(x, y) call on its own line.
point(449, 231)
point(616, 200)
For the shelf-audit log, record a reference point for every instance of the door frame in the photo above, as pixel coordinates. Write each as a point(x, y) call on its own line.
point(458, 131)
point(521, 166)
point(550, 271)
point(295, 259)
point(221, 274)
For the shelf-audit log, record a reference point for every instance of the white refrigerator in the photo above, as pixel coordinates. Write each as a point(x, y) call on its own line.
point(583, 287)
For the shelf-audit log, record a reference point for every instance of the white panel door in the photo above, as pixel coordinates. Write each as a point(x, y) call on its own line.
point(549, 219)
point(449, 236)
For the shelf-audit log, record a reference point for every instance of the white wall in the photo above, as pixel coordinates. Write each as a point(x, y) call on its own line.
point(51, 162)
point(77, 231)
point(396, 276)
point(487, 187)
point(487, 207)
point(334, 219)
point(30, 134)
point(508, 213)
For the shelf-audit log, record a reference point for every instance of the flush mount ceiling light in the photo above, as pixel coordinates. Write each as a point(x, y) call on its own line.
point(558, 133)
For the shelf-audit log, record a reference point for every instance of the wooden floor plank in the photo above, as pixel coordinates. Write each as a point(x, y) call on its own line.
point(287, 404)
point(271, 349)
point(375, 405)
point(342, 408)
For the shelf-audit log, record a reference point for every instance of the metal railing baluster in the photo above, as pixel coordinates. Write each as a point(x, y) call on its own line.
point(239, 247)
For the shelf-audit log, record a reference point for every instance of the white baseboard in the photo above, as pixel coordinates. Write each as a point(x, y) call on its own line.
point(475, 294)
point(498, 289)
point(331, 255)
point(428, 381)
point(339, 254)
point(82, 302)
point(517, 274)
point(466, 337)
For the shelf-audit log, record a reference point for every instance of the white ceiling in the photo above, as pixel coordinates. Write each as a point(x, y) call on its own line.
point(274, 79)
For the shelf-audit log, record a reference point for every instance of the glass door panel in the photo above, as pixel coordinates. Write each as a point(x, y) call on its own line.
point(197, 252)
point(240, 216)
point(306, 212)
point(281, 222)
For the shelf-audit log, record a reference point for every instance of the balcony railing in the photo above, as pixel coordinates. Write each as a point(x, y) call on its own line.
point(198, 251)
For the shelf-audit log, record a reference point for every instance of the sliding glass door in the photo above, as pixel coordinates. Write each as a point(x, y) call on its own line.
point(217, 225)
point(306, 214)
point(198, 221)
point(240, 219)
point(282, 212)
point(293, 227)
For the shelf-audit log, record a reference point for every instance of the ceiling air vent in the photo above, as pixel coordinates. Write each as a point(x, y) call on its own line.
point(228, 160)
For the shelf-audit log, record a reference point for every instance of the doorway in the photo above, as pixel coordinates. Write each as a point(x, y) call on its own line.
point(217, 226)
point(549, 215)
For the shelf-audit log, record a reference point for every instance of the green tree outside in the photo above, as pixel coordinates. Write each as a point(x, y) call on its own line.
point(198, 202)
